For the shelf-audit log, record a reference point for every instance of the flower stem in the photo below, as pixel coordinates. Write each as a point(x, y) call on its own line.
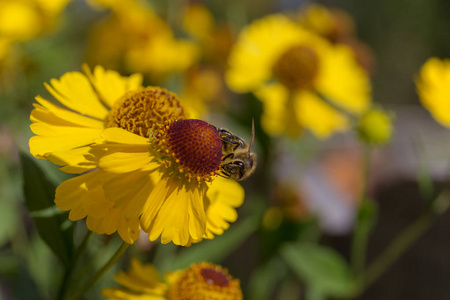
point(102, 271)
point(404, 240)
point(69, 270)
point(363, 220)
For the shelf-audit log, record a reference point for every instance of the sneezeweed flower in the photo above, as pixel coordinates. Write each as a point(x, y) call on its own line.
point(432, 85)
point(293, 74)
point(375, 127)
point(337, 26)
point(204, 281)
point(144, 164)
point(203, 87)
point(21, 20)
point(139, 40)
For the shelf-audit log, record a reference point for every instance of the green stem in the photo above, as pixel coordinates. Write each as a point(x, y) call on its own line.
point(102, 271)
point(404, 240)
point(362, 230)
point(69, 270)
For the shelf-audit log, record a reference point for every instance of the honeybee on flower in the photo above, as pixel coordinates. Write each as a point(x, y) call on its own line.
point(142, 163)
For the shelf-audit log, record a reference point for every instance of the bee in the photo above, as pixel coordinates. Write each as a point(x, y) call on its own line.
point(238, 162)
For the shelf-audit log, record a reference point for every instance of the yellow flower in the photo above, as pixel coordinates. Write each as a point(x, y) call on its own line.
point(203, 281)
point(22, 20)
point(148, 165)
point(198, 21)
point(139, 40)
point(292, 71)
point(332, 23)
point(433, 85)
point(375, 127)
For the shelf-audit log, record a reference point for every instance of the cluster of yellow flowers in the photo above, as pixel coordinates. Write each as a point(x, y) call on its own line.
point(20, 21)
point(145, 163)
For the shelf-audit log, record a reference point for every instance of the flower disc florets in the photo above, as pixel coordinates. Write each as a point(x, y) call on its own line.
point(145, 110)
point(297, 67)
point(194, 145)
point(205, 281)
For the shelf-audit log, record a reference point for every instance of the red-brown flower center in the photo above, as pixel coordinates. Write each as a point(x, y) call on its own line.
point(215, 277)
point(194, 145)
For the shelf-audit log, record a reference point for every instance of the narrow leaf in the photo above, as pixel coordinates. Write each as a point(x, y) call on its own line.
point(39, 200)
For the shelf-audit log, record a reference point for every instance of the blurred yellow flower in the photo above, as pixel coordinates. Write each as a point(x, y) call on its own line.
point(140, 41)
point(148, 165)
point(433, 87)
point(204, 281)
point(337, 26)
point(22, 20)
point(332, 23)
point(375, 127)
point(198, 21)
point(292, 71)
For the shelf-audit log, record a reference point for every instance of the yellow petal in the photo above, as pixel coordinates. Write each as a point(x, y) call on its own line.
point(74, 161)
point(122, 162)
point(259, 45)
point(343, 81)
point(274, 97)
point(50, 113)
point(223, 197)
point(173, 217)
point(110, 85)
point(197, 215)
point(75, 91)
point(153, 205)
point(143, 278)
point(121, 138)
point(129, 192)
point(55, 139)
point(122, 294)
point(313, 113)
point(75, 194)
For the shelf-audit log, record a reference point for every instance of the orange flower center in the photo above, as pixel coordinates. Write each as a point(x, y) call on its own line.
point(297, 67)
point(205, 281)
point(193, 145)
point(145, 110)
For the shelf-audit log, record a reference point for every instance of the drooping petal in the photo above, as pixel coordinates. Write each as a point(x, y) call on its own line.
point(78, 193)
point(125, 160)
point(223, 197)
point(432, 87)
point(153, 205)
point(122, 294)
point(319, 117)
point(278, 113)
point(141, 278)
point(343, 81)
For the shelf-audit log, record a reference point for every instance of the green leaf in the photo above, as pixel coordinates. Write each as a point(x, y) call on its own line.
point(217, 249)
point(265, 278)
point(321, 268)
point(39, 200)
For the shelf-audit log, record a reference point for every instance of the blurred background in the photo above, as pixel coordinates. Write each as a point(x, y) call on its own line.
point(304, 188)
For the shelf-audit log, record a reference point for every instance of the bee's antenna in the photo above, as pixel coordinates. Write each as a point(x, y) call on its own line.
point(252, 141)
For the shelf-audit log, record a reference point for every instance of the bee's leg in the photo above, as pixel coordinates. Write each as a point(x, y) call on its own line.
point(228, 156)
point(225, 175)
